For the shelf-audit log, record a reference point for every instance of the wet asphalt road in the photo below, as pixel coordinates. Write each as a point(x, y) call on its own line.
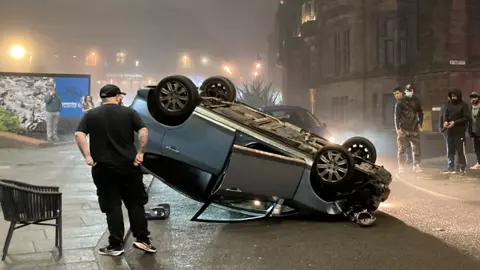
point(415, 230)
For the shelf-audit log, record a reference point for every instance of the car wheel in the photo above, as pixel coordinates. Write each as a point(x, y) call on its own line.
point(219, 87)
point(173, 100)
point(362, 147)
point(334, 166)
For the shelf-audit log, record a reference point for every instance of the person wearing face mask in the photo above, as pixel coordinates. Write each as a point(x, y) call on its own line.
point(455, 121)
point(116, 170)
point(408, 123)
point(474, 126)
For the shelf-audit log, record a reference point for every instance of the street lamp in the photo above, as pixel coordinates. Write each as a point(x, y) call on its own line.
point(17, 52)
point(255, 74)
point(204, 60)
point(258, 65)
point(228, 70)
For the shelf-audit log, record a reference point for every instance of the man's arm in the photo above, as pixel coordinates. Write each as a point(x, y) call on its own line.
point(465, 116)
point(397, 115)
point(420, 113)
point(48, 98)
point(81, 137)
point(142, 131)
point(442, 118)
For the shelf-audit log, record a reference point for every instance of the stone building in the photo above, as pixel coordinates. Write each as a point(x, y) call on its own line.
point(342, 58)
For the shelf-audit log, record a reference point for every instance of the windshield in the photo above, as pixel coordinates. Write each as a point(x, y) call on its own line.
point(300, 118)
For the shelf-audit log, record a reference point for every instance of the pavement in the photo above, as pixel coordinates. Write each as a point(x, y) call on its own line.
point(84, 226)
point(417, 228)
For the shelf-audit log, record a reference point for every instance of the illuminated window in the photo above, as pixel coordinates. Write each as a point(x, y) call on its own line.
point(309, 12)
point(121, 57)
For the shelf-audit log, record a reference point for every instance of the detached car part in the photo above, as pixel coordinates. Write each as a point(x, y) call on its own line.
point(228, 155)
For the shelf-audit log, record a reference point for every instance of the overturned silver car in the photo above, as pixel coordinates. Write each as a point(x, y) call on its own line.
point(211, 148)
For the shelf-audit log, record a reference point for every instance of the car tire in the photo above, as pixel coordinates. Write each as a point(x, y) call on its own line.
point(173, 100)
point(219, 87)
point(333, 167)
point(361, 147)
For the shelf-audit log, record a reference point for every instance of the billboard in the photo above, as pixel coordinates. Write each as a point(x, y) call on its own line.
point(23, 94)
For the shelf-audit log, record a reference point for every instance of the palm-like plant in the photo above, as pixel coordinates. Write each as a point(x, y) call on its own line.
point(257, 94)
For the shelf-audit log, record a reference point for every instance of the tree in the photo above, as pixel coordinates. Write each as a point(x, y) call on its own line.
point(257, 94)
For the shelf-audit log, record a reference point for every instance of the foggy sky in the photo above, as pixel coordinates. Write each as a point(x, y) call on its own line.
point(150, 28)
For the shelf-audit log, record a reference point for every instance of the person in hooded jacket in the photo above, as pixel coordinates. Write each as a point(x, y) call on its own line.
point(474, 126)
point(455, 121)
point(408, 124)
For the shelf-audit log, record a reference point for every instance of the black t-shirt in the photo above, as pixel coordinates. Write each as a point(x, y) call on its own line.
point(112, 140)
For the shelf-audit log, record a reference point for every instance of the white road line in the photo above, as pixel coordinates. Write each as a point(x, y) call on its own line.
point(427, 190)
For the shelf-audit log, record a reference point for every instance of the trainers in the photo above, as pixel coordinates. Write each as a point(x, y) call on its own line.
point(111, 251)
point(416, 168)
point(461, 172)
point(448, 171)
point(475, 167)
point(145, 246)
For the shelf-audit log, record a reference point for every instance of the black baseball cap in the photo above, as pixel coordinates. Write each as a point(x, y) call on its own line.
point(110, 90)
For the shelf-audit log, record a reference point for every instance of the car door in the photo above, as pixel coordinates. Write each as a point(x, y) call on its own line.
point(199, 142)
point(262, 174)
point(255, 183)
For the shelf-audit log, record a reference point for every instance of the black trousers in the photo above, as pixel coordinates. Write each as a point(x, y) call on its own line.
point(456, 146)
point(113, 187)
point(476, 146)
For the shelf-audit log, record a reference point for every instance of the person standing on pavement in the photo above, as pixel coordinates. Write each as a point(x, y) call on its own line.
point(456, 120)
point(474, 126)
point(116, 169)
point(408, 119)
point(53, 106)
point(87, 104)
point(397, 93)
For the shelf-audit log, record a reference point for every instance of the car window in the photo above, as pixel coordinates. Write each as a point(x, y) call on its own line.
point(299, 118)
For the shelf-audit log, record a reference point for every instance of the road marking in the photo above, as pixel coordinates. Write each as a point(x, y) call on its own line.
point(428, 191)
point(5, 167)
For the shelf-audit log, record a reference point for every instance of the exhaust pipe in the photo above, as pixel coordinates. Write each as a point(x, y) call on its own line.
point(364, 219)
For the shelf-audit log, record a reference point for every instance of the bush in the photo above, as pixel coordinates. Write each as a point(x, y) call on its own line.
point(9, 121)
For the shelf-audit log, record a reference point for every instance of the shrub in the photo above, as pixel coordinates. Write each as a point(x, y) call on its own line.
point(9, 121)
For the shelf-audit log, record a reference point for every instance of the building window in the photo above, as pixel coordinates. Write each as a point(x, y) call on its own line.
point(394, 43)
point(120, 57)
point(389, 41)
point(403, 35)
point(341, 47)
point(309, 12)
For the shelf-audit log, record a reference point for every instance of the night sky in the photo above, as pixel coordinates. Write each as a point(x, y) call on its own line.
point(151, 29)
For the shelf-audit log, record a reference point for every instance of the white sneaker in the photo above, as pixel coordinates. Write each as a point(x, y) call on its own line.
point(475, 167)
point(416, 168)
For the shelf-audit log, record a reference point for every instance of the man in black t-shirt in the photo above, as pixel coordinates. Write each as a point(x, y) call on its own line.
point(116, 168)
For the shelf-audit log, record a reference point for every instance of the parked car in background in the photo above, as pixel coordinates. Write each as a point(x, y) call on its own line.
point(299, 117)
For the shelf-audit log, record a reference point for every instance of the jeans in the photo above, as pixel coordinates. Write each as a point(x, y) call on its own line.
point(113, 187)
point(412, 138)
point(52, 124)
point(456, 146)
point(476, 146)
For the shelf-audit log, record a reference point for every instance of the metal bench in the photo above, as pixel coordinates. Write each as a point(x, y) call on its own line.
point(24, 204)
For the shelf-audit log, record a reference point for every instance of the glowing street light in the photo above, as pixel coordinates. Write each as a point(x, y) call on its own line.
point(227, 69)
point(137, 63)
point(204, 60)
point(255, 74)
point(258, 65)
point(17, 52)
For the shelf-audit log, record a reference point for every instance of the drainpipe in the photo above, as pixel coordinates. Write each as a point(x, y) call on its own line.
point(365, 66)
